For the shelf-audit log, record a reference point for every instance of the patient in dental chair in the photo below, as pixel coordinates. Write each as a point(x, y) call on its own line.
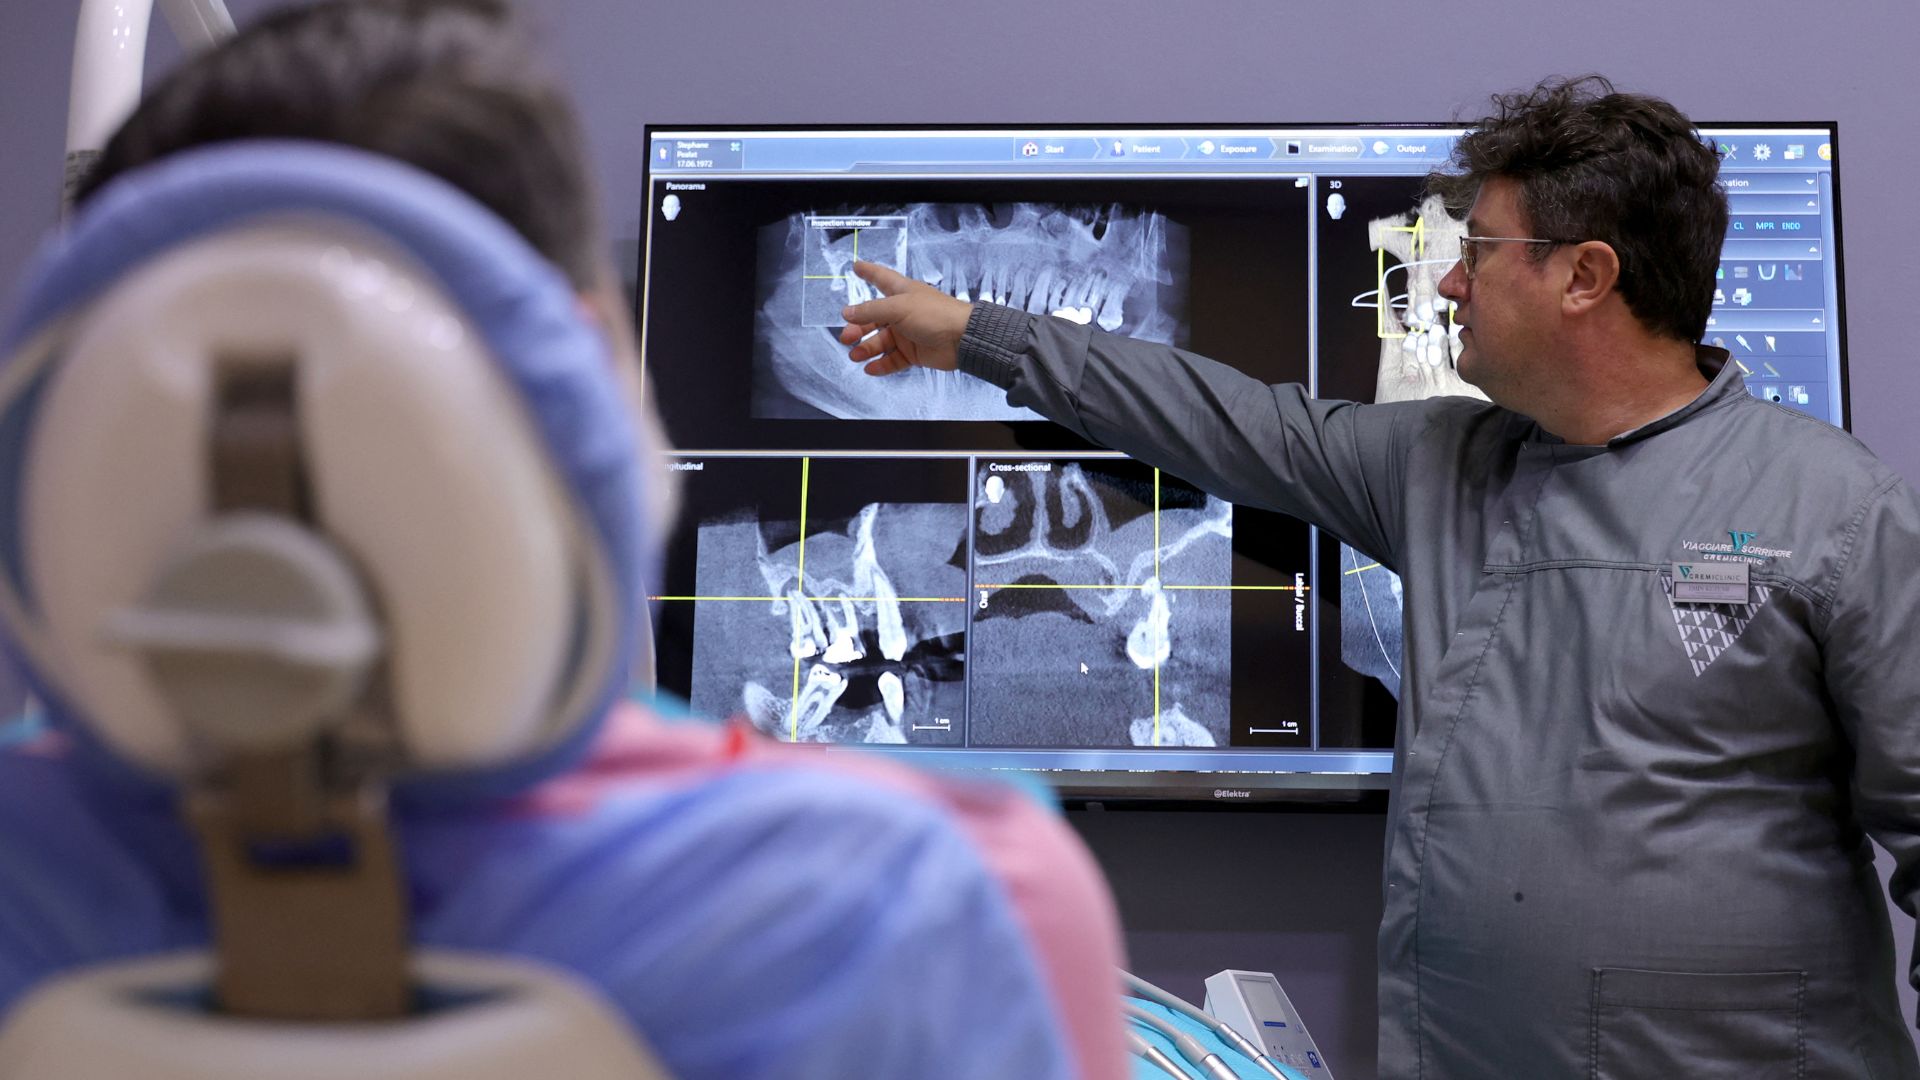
point(750, 909)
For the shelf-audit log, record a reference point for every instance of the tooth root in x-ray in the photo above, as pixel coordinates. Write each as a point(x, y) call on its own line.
point(1420, 339)
point(1124, 268)
point(1175, 728)
point(893, 695)
point(879, 730)
point(809, 637)
point(870, 580)
point(1150, 644)
point(822, 688)
point(844, 627)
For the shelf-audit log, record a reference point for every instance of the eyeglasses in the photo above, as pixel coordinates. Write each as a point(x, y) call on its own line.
point(1470, 247)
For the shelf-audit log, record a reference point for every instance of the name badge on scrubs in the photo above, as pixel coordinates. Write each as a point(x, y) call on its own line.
point(1711, 582)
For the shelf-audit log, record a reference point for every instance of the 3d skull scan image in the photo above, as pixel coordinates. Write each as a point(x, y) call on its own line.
point(1418, 338)
point(1098, 621)
point(1122, 268)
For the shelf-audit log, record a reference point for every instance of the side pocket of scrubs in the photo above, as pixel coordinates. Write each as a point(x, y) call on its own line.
point(1700, 1025)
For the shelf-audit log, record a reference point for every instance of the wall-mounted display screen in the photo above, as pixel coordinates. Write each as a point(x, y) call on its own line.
point(911, 564)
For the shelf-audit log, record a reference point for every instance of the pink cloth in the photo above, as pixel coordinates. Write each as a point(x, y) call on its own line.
point(1063, 902)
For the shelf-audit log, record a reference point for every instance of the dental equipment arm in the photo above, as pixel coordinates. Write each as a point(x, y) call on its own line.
point(1141, 987)
point(109, 61)
point(1142, 1048)
point(1200, 1057)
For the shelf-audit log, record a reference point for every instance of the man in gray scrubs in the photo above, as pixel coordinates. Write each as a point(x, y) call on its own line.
point(1658, 682)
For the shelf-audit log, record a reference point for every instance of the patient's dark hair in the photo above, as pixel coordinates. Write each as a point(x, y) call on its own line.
point(448, 86)
point(1596, 164)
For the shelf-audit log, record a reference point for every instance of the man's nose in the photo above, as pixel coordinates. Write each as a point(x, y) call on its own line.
point(1454, 285)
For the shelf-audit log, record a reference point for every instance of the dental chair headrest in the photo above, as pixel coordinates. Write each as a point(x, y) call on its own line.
point(464, 442)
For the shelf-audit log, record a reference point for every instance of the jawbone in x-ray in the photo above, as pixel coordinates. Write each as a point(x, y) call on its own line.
point(1089, 629)
point(866, 643)
point(1124, 269)
point(1419, 342)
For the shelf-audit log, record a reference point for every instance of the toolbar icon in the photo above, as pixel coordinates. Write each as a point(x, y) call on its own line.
point(1795, 151)
point(1762, 152)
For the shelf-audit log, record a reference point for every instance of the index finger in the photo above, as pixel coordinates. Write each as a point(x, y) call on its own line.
point(874, 313)
point(890, 282)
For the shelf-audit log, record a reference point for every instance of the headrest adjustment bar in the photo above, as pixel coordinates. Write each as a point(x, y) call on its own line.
point(260, 636)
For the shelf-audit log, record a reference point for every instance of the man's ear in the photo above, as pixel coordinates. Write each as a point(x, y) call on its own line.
point(1593, 277)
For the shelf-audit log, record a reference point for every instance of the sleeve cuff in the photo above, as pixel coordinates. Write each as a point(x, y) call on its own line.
point(994, 342)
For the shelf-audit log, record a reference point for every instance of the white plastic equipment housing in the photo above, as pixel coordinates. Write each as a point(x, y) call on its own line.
point(423, 465)
point(1252, 1003)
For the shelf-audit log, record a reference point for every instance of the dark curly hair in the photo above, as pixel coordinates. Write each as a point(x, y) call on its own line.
point(1626, 169)
point(448, 86)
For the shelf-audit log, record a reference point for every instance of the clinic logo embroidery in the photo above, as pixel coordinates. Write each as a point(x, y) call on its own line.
point(1740, 548)
point(1707, 630)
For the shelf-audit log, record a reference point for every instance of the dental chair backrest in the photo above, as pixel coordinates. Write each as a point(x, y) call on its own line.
point(317, 495)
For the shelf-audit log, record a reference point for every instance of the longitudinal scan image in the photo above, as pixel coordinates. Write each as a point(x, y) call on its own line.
point(828, 596)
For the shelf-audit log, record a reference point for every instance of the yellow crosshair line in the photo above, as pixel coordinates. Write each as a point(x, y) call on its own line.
point(806, 471)
point(836, 277)
point(793, 707)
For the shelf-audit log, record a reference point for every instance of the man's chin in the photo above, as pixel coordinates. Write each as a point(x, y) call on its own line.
point(1466, 364)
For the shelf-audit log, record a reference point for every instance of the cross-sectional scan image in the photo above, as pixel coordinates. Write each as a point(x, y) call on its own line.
point(1121, 267)
point(1100, 617)
point(846, 621)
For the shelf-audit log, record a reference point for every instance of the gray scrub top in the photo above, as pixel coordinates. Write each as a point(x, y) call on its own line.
point(1628, 833)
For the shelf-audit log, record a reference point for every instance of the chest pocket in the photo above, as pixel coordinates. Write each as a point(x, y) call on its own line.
point(1707, 631)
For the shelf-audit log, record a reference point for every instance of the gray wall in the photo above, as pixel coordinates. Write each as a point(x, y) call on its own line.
point(1307, 911)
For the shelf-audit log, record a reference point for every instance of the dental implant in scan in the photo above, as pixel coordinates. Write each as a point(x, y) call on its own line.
point(1098, 620)
point(1121, 268)
point(856, 635)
